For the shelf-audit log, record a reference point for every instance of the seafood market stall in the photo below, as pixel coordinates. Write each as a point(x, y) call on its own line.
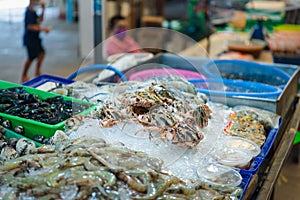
point(171, 133)
point(286, 105)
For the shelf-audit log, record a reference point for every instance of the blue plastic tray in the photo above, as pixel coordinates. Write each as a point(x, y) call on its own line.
point(268, 143)
point(254, 167)
point(225, 87)
point(245, 182)
point(42, 79)
point(247, 71)
point(269, 140)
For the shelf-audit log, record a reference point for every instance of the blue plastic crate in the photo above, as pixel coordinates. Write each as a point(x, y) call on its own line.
point(245, 182)
point(270, 140)
point(225, 87)
point(45, 78)
point(245, 70)
point(254, 167)
point(268, 143)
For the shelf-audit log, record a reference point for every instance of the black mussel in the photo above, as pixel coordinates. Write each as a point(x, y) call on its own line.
point(17, 90)
point(19, 130)
point(29, 98)
point(45, 104)
point(54, 100)
point(14, 110)
point(1, 120)
point(7, 124)
point(18, 102)
point(50, 121)
point(69, 104)
point(39, 138)
point(2, 130)
point(3, 108)
point(12, 142)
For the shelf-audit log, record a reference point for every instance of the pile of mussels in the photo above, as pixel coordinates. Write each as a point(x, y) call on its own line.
point(18, 102)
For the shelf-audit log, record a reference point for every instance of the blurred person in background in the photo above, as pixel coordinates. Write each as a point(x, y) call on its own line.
point(120, 42)
point(31, 38)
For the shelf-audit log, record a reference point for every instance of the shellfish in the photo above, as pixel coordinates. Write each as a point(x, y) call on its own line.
point(24, 147)
point(8, 153)
point(7, 124)
point(20, 130)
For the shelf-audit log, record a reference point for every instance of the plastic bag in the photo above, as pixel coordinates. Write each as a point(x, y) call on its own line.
point(269, 119)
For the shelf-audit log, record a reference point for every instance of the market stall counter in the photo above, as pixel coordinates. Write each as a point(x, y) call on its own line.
point(285, 105)
point(138, 124)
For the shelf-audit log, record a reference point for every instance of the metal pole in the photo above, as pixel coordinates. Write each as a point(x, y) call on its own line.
point(69, 11)
point(98, 31)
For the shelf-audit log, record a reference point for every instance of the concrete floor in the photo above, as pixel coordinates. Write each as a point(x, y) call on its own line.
point(62, 59)
point(61, 46)
point(288, 183)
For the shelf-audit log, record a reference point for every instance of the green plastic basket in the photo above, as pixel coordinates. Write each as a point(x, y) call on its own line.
point(32, 127)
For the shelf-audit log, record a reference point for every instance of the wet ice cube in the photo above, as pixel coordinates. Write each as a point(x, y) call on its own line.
point(69, 192)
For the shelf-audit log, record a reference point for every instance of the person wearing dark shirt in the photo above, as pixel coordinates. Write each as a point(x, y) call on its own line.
point(31, 37)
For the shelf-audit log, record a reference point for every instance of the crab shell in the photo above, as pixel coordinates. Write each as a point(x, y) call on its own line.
point(183, 135)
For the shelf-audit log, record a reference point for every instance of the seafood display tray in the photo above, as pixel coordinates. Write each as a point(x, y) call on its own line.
point(279, 105)
point(258, 160)
point(32, 127)
point(268, 143)
point(239, 70)
point(41, 80)
point(254, 167)
point(12, 134)
point(245, 182)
